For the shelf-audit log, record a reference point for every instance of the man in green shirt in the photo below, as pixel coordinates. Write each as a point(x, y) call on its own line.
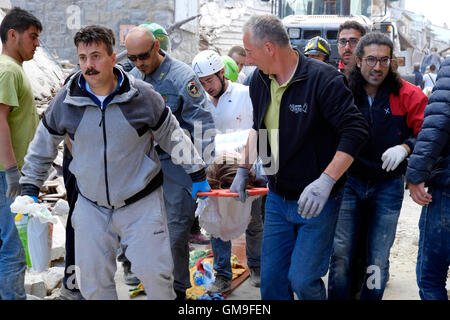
point(19, 33)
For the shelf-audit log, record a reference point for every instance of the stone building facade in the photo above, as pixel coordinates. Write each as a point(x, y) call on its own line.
point(63, 18)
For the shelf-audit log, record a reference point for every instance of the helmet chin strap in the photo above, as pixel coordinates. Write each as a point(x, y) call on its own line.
point(222, 90)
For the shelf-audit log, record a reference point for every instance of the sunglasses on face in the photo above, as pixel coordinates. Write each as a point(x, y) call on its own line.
point(141, 56)
point(352, 41)
point(372, 61)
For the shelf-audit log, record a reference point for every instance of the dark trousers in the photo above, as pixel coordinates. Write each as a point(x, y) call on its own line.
point(70, 183)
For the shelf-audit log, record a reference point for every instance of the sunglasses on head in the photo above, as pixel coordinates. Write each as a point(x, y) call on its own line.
point(141, 56)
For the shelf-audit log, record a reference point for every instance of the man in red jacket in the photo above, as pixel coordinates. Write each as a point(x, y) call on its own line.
point(394, 110)
point(349, 34)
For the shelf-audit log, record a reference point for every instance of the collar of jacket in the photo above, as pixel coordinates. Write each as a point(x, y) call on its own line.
point(300, 73)
point(163, 68)
point(77, 94)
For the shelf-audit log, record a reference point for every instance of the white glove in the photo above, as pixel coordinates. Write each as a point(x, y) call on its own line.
point(392, 157)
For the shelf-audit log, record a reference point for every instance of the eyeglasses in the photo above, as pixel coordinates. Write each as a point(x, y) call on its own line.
point(141, 56)
point(372, 61)
point(352, 41)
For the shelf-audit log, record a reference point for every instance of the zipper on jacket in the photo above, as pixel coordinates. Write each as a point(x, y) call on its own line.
point(104, 154)
point(371, 110)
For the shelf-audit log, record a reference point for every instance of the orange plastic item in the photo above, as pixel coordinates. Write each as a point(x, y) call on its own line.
point(227, 193)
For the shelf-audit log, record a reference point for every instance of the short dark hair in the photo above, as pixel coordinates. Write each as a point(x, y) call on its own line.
point(433, 67)
point(19, 20)
point(97, 34)
point(237, 49)
point(352, 24)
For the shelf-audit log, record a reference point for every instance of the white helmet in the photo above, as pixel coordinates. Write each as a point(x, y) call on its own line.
point(206, 63)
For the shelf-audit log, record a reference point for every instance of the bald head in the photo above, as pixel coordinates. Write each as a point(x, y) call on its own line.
point(143, 49)
point(139, 34)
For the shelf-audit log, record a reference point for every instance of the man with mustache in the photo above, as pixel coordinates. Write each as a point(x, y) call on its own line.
point(349, 34)
point(19, 33)
point(180, 88)
point(394, 110)
point(113, 121)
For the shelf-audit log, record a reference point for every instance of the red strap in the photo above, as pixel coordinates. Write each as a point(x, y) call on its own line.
point(227, 193)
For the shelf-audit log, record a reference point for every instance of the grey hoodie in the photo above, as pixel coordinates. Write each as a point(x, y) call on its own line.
point(114, 158)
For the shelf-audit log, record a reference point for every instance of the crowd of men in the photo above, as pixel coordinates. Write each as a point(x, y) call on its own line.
point(138, 140)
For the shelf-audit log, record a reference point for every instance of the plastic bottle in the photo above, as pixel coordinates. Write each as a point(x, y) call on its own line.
point(198, 278)
point(21, 221)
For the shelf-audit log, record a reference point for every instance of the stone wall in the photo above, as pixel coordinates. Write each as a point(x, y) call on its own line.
point(222, 21)
point(62, 19)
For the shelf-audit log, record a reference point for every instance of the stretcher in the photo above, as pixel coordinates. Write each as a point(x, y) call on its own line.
point(227, 193)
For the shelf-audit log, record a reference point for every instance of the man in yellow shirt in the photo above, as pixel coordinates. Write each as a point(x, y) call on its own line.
point(19, 33)
point(318, 131)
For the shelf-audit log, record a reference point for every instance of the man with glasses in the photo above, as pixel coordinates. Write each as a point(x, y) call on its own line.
point(394, 110)
point(349, 34)
point(180, 88)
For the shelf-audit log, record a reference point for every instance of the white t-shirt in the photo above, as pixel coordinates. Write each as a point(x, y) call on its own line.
point(100, 98)
point(234, 110)
point(427, 78)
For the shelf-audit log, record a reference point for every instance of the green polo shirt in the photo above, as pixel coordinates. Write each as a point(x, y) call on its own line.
point(272, 116)
point(16, 92)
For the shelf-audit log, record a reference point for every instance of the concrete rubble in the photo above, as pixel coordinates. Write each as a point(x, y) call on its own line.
point(42, 284)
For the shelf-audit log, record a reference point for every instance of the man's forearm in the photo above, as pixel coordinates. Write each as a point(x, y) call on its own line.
point(340, 163)
point(250, 152)
point(7, 157)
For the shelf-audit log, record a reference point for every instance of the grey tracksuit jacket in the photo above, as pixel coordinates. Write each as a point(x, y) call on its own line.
point(114, 158)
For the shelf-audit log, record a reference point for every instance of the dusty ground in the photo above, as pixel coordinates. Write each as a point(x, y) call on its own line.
point(402, 284)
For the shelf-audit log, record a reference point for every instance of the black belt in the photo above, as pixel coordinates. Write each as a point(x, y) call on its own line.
point(154, 184)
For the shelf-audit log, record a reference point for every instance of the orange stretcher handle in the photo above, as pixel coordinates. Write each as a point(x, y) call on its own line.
point(227, 193)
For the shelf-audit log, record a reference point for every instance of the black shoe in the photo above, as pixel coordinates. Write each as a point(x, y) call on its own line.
point(181, 295)
point(255, 277)
point(221, 285)
point(66, 294)
point(128, 276)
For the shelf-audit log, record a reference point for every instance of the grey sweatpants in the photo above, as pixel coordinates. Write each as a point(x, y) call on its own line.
point(142, 227)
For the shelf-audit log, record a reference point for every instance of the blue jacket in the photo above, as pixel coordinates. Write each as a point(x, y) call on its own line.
point(317, 118)
point(430, 161)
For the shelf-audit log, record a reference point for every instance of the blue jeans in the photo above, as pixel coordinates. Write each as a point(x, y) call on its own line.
point(433, 258)
point(296, 251)
point(253, 241)
point(384, 199)
point(12, 253)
